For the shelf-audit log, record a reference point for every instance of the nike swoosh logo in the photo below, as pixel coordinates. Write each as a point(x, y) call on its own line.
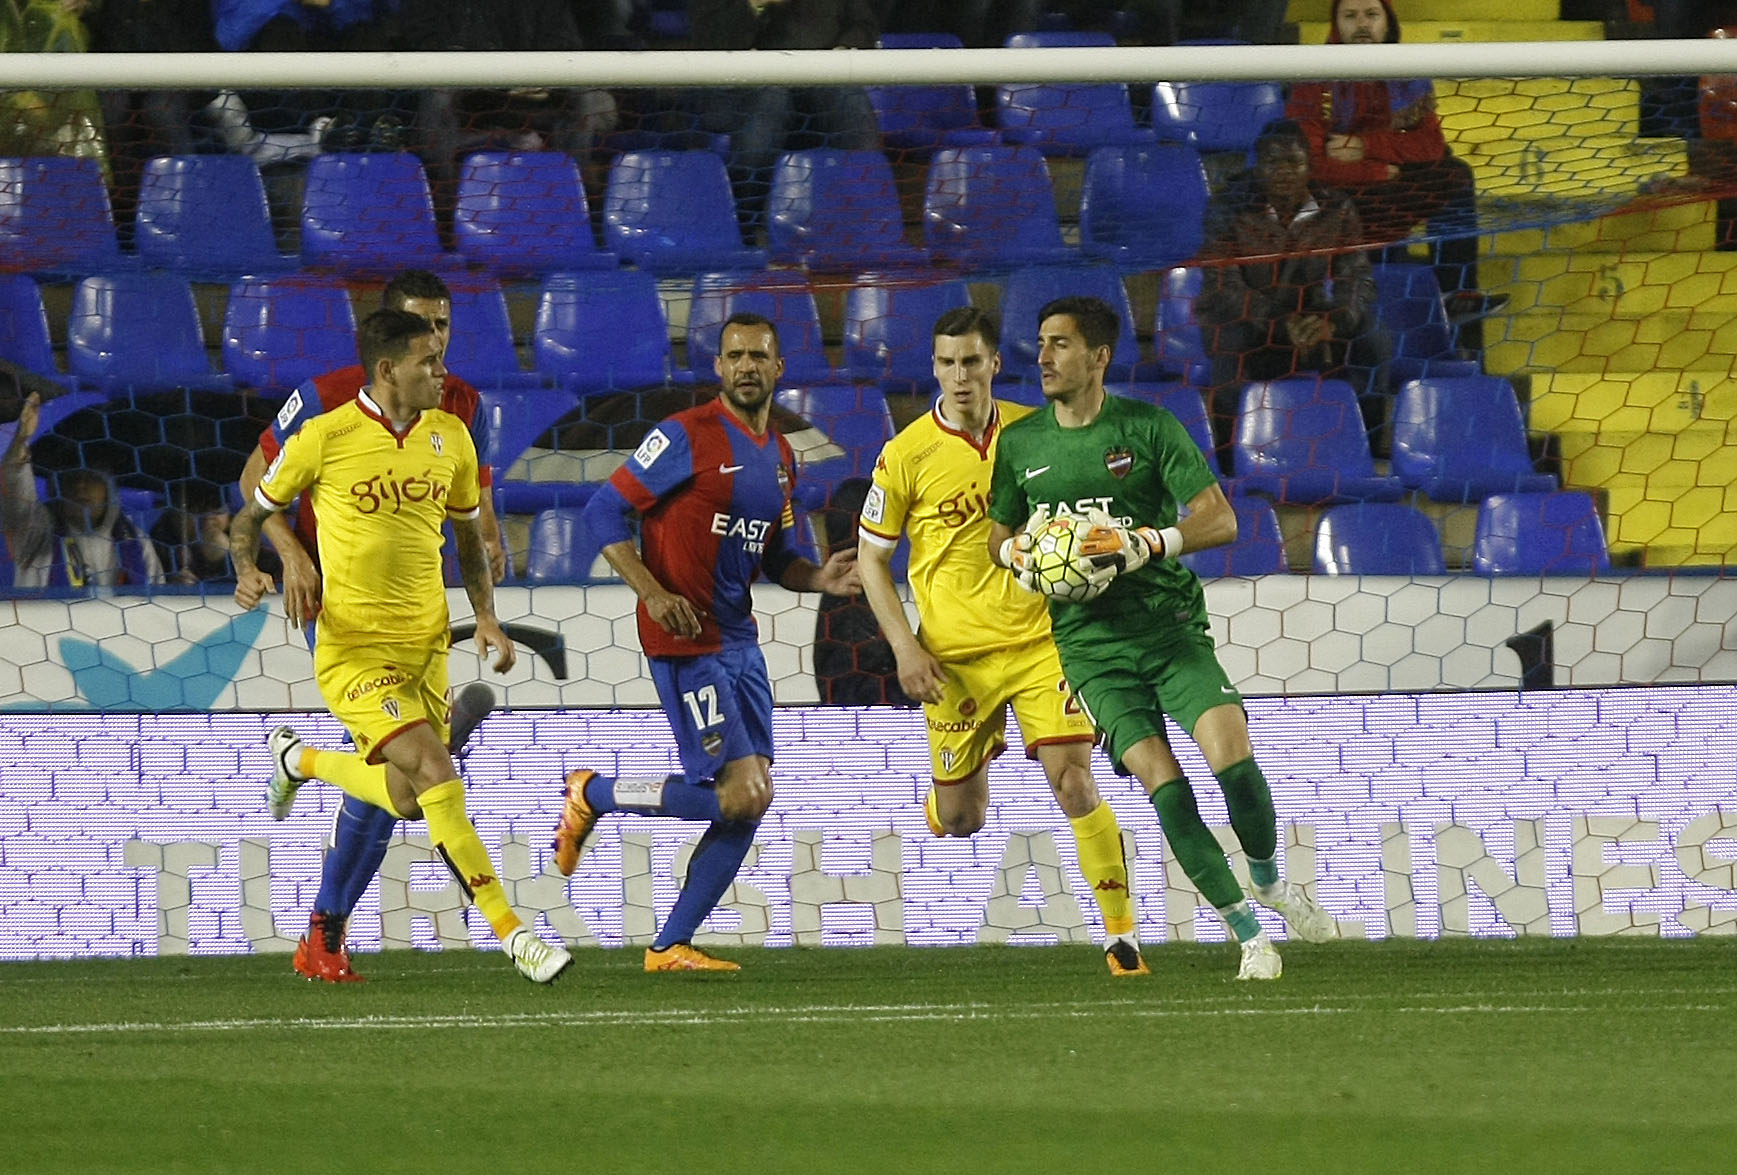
point(1038, 472)
point(730, 468)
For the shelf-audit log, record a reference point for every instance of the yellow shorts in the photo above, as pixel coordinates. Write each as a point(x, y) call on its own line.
point(968, 726)
point(379, 691)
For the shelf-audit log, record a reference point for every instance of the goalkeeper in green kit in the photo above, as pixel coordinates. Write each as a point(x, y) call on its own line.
point(1141, 647)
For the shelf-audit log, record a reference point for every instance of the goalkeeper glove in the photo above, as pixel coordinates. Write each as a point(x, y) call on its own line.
point(1129, 550)
point(1016, 551)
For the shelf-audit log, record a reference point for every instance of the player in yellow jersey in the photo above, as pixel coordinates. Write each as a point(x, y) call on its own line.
point(386, 471)
point(985, 643)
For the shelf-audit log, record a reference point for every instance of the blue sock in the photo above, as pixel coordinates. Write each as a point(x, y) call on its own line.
point(671, 796)
point(358, 846)
point(710, 870)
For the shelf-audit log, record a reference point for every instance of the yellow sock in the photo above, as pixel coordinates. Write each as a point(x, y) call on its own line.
point(455, 837)
point(351, 772)
point(1099, 838)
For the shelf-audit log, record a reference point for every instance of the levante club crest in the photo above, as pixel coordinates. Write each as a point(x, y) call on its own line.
point(1119, 460)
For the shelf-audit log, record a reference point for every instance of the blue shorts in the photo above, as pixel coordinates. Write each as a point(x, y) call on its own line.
point(719, 705)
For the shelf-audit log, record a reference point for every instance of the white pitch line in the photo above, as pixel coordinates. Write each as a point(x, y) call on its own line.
point(817, 1015)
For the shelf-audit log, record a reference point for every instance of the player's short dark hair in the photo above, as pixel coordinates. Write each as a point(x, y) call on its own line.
point(749, 319)
point(387, 334)
point(414, 283)
point(969, 320)
point(1097, 323)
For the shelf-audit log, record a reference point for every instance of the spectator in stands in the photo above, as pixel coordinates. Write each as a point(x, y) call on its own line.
point(1382, 143)
point(80, 539)
point(762, 121)
point(53, 122)
point(854, 664)
point(192, 536)
point(1292, 291)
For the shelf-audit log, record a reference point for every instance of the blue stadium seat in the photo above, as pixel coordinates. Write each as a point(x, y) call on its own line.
point(278, 332)
point(481, 348)
point(832, 209)
point(512, 420)
point(673, 212)
point(1408, 303)
point(1215, 116)
point(1143, 207)
point(1540, 534)
point(1178, 342)
point(1066, 118)
point(602, 332)
point(206, 216)
point(55, 217)
point(1377, 538)
point(1183, 402)
point(1461, 440)
point(368, 214)
point(24, 337)
point(138, 332)
point(1259, 548)
point(563, 549)
point(1028, 289)
point(855, 417)
point(525, 213)
point(786, 299)
point(992, 206)
point(919, 119)
point(889, 321)
point(1302, 442)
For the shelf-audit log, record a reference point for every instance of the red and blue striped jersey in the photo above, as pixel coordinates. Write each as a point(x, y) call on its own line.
point(714, 500)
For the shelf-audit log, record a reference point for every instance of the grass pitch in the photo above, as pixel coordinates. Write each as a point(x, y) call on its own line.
point(1557, 1056)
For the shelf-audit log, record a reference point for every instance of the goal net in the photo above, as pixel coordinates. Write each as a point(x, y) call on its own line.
point(1479, 605)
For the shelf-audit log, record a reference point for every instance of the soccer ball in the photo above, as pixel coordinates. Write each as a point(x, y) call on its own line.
point(1055, 561)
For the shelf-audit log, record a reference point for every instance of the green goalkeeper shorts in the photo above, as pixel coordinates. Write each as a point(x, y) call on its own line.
point(1127, 687)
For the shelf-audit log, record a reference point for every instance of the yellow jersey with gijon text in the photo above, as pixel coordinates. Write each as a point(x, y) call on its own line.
point(932, 482)
point(380, 499)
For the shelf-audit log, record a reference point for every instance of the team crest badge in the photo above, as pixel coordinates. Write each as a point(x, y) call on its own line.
point(439, 443)
point(390, 706)
point(1119, 460)
point(783, 477)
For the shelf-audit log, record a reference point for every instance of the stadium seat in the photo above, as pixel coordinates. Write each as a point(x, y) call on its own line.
point(992, 206)
point(1540, 534)
point(1142, 207)
point(1178, 343)
point(525, 213)
point(1029, 289)
point(138, 332)
point(1066, 118)
point(562, 548)
point(784, 298)
point(1183, 402)
point(278, 332)
point(55, 217)
point(673, 212)
point(920, 119)
point(1301, 442)
point(513, 419)
point(1259, 548)
point(855, 417)
point(368, 214)
point(888, 326)
point(1408, 303)
point(1461, 440)
point(24, 337)
point(1215, 116)
point(602, 332)
point(839, 210)
point(482, 349)
point(206, 216)
point(1377, 538)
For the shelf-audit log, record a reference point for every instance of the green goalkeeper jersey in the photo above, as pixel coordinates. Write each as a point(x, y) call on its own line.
point(1139, 464)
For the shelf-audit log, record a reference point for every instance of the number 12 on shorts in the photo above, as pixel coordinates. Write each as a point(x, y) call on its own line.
point(702, 705)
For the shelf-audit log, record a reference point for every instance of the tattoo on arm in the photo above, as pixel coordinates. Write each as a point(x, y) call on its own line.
point(473, 565)
point(244, 536)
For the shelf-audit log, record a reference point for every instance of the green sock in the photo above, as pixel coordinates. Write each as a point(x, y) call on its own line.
point(1241, 921)
point(1250, 802)
point(1263, 873)
point(1196, 849)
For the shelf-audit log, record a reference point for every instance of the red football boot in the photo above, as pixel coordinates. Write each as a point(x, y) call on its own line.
point(320, 955)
